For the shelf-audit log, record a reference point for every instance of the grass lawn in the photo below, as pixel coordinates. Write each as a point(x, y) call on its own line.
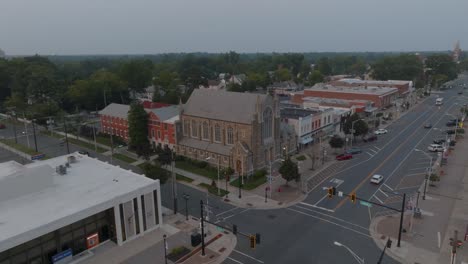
point(209, 172)
point(250, 184)
point(22, 148)
point(178, 176)
point(124, 158)
point(213, 190)
point(301, 157)
point(72, 139)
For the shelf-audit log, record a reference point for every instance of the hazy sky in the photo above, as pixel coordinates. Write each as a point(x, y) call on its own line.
point(158, 26)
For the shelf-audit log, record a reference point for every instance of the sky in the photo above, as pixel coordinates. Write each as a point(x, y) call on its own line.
point(78, 27)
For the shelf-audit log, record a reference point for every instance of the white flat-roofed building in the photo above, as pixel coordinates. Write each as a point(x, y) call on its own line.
point(63, 206)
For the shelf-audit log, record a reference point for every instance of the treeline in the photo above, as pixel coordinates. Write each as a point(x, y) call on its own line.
point(47, 86)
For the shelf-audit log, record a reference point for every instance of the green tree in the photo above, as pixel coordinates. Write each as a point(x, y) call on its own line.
point(315, 77)
point(289, 171)
point(336, 142)
point(360, 127)
point(165, 156)
point(323, 65)
point(137, 74)
point(282, 75)
point(138, 130)
point(401, 67)
point(442, 64)
point(156, 172)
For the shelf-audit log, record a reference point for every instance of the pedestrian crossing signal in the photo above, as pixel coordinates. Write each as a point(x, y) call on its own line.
point(252, 241)
point(353, 197)
point(330, 192)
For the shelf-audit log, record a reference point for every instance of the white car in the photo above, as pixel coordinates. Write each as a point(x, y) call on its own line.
point(377, 179)
point(435, 148)
point(380, 131)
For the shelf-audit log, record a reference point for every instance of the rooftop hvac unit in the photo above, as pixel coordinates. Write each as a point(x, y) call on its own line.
point(61, 170)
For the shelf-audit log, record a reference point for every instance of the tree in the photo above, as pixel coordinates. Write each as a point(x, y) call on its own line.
point(137, 74)
point(282, 75)
point(165, 156)
point(323, 65)
point(156, 172)
point(336, 142)
point(442, 64)
point(315, 77)
point(401, 67)
point(138, 130)
point(360, 128)
point(289, 171)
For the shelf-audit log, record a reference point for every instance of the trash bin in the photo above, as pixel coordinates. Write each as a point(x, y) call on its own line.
point(195, 239)
point(417, 213)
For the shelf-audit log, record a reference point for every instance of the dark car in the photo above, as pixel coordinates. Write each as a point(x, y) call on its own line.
point(460, 92)
point(370, 138)
point(83, 152)
point(439, 141)
point(344, 156)
point(453, 143)
point(428, 125)
point(450, 131)
point(353, 151)
point(451, 123)
point(2, 126)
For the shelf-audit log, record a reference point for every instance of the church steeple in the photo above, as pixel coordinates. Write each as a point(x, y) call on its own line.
point(456, 53)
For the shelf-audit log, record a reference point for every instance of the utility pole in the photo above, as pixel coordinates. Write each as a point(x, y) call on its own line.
point(14, 128)
point(401, 219)
point(112, 145)
point(66, 135)
point(387, 245)
point(26, 129)
point(174, 182)
point(202, 229)
point(34, 134)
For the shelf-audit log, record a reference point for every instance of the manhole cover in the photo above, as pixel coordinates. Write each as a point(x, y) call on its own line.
point(272, 216)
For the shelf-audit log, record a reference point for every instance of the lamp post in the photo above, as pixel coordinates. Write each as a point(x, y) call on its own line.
point(355, 256)
point(165, 249)
point(429, 172)
point(219, 191)
point(186, 197)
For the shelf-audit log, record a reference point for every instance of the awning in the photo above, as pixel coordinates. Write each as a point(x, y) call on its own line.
point(306, 140)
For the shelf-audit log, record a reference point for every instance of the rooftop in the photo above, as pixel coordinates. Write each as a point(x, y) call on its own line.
point(35, 199)
point(373, 82)
point(296, 113)
point(356, 90)
point(166, 113)
point(117, 110)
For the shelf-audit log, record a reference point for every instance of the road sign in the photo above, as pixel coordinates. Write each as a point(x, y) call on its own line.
point(340, 194)
point(37, 156)
point(220, 229)
point(365, 203)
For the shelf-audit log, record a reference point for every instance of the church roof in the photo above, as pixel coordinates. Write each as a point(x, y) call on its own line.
point(223, 105)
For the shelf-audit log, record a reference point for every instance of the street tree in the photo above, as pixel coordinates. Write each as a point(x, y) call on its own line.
point(360, 128)
point(336, 142)
point(137, 74)
point(138, 130)
point(156, 172)
point(165, 156)
point(289, 171)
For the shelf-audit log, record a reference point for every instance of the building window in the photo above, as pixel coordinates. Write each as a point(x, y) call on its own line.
point(205, 131)
point(194, 129)
point(217, 133)
point(152, 133)
point(329, 118)
point(267, 126)
point(186, 127)
point(230, 136)
point(165, 126)
point(159, 134)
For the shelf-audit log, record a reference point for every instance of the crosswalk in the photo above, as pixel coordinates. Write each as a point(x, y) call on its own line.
point(323, 175)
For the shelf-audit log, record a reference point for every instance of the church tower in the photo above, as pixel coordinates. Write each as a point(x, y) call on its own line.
point(456, 53)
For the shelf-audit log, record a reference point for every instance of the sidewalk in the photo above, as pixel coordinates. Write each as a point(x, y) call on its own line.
point(150, 247)
point(444, 211)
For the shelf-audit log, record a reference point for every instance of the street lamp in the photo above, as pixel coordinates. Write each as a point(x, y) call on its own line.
point(355, 256)
point(219, 191)
point(428, 173)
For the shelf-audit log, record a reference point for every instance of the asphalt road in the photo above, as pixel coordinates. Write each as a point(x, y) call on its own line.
point(304, 233)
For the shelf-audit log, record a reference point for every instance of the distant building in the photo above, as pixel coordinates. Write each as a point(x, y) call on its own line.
point(238, 130)
point(404, 87)
point(55, 210)
point(238, 79)
point(284, 88)
point(457, 52)
point(215, 85)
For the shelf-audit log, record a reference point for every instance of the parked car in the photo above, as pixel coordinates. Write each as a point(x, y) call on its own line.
point(83, 152)
point(376, 179)
point(439, 141)
point(380, 131)
point(435, 148)
point(428, 125)
point(450, 131)
point(344, 156)
point(370, 138)
point(2, 126)
point(354, 151)
point(452, 143)
point(460, 92)
point(451, 123)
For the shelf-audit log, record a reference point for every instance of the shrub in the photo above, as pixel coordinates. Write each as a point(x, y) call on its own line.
point(260, 173)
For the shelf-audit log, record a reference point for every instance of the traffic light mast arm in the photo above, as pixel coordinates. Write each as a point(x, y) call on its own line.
point(364, 200)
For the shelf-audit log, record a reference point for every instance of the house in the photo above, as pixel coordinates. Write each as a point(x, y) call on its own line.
point(214, 85)
point(238, 79)
point(237, 130)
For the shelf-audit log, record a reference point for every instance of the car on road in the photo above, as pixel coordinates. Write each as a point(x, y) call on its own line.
point(460, 92)
point(451, 123)
point(381, 131)
point(2, 126)
point(428, 125)
point(376, 179)
point(354, 151)
point(83, 152)
point(435, 148)
point(370, 138)
point(439, 141)
point(344, 156)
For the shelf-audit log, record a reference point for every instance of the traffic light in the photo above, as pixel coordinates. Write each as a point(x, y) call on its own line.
point(234, 229)
point(252, 241)
point(353, 197)
point(389, 243)
point(330, 192)
point(334, 190)
point(257, 238)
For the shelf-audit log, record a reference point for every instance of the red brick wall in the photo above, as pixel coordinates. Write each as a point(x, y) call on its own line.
point(119, 126)
point(160, 130)
point(349, 96)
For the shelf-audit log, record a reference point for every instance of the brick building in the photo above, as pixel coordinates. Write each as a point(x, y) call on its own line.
point(161, 123)
point(404, 87)
point(240, 130)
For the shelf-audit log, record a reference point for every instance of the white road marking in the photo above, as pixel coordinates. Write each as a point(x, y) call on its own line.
point(438, 239)
point(318, 207)
point(387, 186)
point(248, 256)
point(419, 168)
point(377, 198)
point(375, 152)
point(227, 217)
point(330, 222)
point(232, 209)
point(231, 259)
point(377, 148)
point(413, 174)
point(410, 187)
point(369, 154)
point(383, 192)
point(370, 215)
point(336, 218)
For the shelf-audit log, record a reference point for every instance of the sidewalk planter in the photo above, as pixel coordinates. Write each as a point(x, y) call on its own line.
point(178, 253)
point(433, 178)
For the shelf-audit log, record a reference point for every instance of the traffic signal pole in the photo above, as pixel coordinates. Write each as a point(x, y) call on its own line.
point(401, 219)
